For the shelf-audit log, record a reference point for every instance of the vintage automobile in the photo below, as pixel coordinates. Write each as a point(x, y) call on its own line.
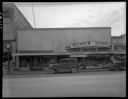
point(65, 65)
point(8, 67)
point(119, 65)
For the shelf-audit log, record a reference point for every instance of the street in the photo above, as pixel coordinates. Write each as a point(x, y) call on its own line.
point(88, 84)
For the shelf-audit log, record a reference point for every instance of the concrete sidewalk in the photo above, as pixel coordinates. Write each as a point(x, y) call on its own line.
point(26, 72)
point(46, 72)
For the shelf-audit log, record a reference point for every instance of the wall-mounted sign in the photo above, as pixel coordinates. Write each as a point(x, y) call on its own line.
point(88, 43)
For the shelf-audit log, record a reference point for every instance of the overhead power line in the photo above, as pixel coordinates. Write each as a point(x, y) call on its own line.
point(33, 16)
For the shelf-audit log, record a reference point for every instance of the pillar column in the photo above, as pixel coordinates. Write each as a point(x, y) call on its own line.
point(43, 62)
point(83, 59)
point(83, 62)
point(96, 49)
point(112, 47)
point(17, 62)
point(13, 51)
point(80, 50)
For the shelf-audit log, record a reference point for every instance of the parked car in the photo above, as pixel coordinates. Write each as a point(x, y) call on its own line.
point(65, 65)
point(5, 66)
point(9, 68)
point(118, 66)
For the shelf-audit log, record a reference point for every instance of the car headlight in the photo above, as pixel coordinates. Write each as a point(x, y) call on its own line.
point(51, 65)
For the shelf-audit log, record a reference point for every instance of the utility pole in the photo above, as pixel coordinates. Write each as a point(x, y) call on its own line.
point(1, 20)
point(8, 48)
point(33, 16)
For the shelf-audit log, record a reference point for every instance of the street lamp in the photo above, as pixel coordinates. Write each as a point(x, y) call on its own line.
point(8, 48)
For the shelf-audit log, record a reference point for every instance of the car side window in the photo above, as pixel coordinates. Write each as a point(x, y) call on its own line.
point(62, 61)
point(65, 61)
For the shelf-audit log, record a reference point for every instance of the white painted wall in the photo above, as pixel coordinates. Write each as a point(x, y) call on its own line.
point(56, 39)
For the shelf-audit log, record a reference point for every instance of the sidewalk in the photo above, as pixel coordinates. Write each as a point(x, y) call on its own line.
point(26, 72)
point(46, 72)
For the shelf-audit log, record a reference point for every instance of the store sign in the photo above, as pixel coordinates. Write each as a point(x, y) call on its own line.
point(88, 43)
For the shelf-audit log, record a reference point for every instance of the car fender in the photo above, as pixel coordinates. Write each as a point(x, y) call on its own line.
point(73, 66)
point(52, 68)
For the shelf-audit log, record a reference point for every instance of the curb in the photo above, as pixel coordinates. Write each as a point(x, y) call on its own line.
point(45, 72)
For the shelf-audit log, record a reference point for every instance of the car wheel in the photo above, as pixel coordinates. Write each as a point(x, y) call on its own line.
point(51, 70)
point(74, 70)
point(116, 69)
point(110, 68)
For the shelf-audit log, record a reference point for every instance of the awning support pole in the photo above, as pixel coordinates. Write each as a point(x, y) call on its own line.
point(17, 62)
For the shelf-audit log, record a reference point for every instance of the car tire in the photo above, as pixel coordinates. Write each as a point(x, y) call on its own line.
point(74, 70)
point(109, 68)
point(51, 70)
point(116, 69)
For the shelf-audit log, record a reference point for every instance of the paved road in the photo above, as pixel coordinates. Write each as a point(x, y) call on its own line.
point(91, 84)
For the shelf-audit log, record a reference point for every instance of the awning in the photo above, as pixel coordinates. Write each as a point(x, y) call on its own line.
point(74, 54)
point(78, 55)
point(38, 54)
point(119, 52)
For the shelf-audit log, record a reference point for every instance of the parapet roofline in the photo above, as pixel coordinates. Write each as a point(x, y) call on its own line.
point(57, 28)
point(120, 36)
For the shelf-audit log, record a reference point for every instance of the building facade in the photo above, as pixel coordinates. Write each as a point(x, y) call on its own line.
point(41, 46)
point(119, 44)
point(12, 21)
point(34, 49)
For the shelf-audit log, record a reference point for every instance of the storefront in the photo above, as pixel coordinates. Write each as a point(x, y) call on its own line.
point(7, 56)
point(37, 62)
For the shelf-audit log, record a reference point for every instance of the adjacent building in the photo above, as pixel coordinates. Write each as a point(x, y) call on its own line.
point(12, 21)
point(119, 44)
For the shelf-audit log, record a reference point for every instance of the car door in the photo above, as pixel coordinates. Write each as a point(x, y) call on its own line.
point(63, 65)
point(57, 65)
point(67, 65)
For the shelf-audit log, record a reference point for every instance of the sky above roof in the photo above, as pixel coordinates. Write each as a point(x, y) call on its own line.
point(76, 14)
